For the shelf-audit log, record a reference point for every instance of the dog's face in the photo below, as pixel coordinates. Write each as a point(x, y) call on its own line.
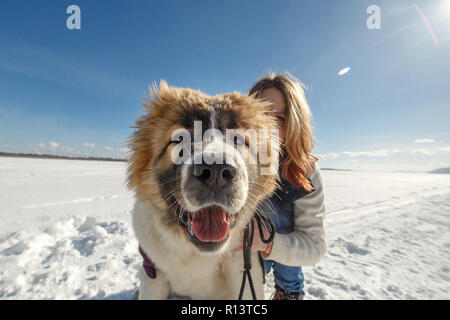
point(194, 158)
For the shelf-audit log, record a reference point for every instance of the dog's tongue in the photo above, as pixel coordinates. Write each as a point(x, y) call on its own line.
point(210, 224)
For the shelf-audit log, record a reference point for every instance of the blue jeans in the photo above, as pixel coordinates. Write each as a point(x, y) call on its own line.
point(287, 277)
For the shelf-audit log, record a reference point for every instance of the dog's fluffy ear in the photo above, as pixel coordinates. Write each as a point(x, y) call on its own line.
point(141, 142)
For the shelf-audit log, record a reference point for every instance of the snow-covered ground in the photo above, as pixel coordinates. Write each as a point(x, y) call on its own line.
point(65, 233)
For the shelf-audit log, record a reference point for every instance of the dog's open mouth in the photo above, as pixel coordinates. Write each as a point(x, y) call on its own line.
point(209, 225)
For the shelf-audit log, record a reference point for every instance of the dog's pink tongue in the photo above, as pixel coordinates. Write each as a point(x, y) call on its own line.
point(210, 224)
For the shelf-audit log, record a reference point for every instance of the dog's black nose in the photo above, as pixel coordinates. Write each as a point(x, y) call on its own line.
point(214, 176)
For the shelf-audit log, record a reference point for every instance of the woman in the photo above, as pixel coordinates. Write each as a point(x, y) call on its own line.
point(297, 206)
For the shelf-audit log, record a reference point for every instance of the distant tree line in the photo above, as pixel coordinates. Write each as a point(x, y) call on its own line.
point(51, 156)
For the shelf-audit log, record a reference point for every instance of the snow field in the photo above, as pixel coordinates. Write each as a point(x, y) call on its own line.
point(65, 233)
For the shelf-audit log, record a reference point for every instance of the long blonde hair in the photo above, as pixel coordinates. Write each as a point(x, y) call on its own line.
point(297, 163)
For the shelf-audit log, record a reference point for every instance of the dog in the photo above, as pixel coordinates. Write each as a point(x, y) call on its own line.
point(189, 215)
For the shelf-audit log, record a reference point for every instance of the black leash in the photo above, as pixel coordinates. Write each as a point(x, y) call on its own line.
point(247, 242)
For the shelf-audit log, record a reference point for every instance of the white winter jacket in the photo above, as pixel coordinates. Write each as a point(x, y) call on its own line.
point(306, 244)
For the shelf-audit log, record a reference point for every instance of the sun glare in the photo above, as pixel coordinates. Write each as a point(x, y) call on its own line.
point(446, 5)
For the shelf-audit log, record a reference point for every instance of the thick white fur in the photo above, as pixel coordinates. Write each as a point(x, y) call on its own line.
point(182, 271)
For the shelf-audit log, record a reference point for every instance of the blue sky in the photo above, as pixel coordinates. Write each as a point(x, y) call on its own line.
point(77, 92)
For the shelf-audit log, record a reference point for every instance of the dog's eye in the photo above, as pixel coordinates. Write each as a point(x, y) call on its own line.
point(238, 140)
point(180, 139)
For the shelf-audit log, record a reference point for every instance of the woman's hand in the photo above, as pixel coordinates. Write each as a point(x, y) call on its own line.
point(258, 244)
